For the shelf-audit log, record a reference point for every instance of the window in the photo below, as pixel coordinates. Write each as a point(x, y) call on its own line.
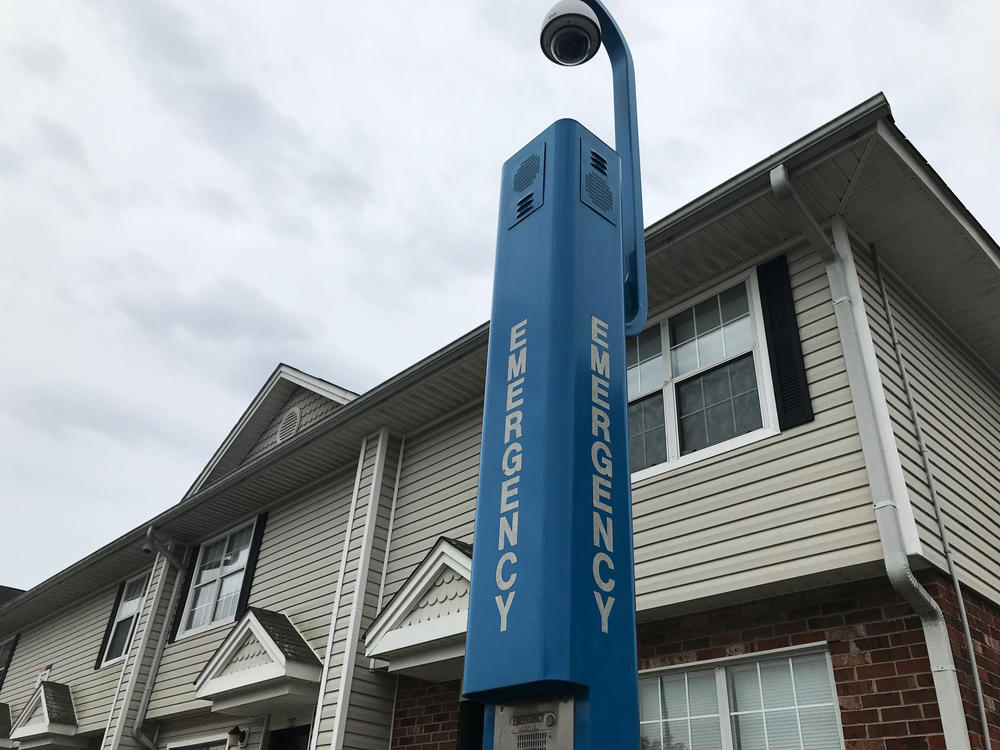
point(6, 656)
point(218, 579)
point(124, 618)
point(784, 703)
point(699, 379)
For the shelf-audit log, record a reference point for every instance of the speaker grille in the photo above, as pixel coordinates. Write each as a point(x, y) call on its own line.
point(532, 741)
point(599, 192)
point(527, 172)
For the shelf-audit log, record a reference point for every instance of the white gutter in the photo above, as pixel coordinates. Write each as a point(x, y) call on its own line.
point(893, 514)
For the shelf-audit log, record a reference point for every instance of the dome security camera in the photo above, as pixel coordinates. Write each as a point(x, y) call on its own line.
point(147, 547)
point(571, 33)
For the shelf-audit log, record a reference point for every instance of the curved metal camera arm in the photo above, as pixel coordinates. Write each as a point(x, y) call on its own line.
point(627, 146)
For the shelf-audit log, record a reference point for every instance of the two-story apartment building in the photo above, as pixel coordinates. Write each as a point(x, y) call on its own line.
point(815, 444)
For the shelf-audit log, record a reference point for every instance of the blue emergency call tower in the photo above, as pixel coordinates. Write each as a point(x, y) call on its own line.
point(551, 643)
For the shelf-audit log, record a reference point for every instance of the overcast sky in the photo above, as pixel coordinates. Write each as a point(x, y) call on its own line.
point(193, 192)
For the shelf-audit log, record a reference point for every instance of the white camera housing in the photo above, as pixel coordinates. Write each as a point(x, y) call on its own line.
point(571, 33)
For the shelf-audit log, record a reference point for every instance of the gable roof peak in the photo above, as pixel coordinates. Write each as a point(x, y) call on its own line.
point(269, 404)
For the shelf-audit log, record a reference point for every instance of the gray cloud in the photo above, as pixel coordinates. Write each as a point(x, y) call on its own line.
point(226, 312)
point(61, 408)
point(219, 204)
point(191, 78)
point(61, 143)
point(41, 58)
point(11, 162)
point(294, 227)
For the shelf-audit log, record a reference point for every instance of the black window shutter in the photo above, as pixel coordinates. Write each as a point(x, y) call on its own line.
point(175, 623)
point(784, 348)
point(5, 664)
point(258, 534)
point(470, 725)
point(110, 627)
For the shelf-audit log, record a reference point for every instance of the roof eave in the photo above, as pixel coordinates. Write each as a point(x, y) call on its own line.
point(853, 123)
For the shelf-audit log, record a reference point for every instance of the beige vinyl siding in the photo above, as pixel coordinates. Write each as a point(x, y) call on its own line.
point(784, 507)
point(437, 493)
point(69, 641)
point(958, 400)
point(296, 574)
point(899, 413)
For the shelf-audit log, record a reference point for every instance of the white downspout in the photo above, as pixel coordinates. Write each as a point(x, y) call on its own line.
point(884, 472)
point(893, 515)
point(939, 516)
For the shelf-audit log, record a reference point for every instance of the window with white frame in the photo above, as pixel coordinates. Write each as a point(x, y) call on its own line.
point(218, 579)
point(699, 378)
point(124, 618)
point(779, 703)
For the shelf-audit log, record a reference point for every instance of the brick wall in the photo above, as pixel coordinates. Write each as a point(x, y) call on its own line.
point(984, 623)
point(426, 716)
point(876, 644)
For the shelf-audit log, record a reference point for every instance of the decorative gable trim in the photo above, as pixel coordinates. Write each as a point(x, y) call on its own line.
point(263, 664)
point(48, 719)
point(256, 418)
point(429, 613)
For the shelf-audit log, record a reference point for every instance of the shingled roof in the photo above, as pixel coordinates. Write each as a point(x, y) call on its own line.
point(285, 636)
point(58, 703)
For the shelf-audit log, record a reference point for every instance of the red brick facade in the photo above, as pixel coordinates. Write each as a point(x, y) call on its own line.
point(876, 644)
point(426, 715)
point(984, 623)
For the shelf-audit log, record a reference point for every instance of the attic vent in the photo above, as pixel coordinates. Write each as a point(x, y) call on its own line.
point(289, 423)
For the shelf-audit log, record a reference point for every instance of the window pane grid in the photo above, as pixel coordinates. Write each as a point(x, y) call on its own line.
point(677, 722)
point(790, 708)
point(710, 332)
point(125, 617)
point(217, 585)
point(715, 340)
point(772, 704)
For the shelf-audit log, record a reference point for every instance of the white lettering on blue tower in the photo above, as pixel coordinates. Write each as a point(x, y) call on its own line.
point(510, 464)
point(603, 566)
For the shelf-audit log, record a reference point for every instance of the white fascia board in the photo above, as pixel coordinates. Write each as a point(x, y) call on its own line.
point(444, 554)
point(322, 387)
point(256, 677)
point(24, 719)
point(430, 656)
point(239, 680)
point(421, 634)
point(43, 728)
